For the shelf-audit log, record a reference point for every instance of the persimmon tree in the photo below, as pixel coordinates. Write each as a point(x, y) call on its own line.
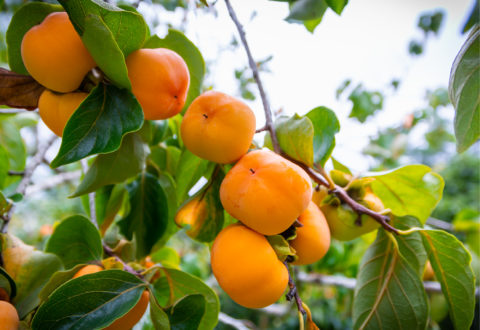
point(141, 184)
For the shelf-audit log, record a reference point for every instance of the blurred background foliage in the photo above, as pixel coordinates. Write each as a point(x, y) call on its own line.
point(425, 136)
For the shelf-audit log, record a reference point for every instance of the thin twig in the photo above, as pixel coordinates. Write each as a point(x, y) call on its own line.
point(53, 181)
point(441, 224)
point(256, 76)
point(235, 323)
point(108, 251)
point(261, 129)
point(16, 173)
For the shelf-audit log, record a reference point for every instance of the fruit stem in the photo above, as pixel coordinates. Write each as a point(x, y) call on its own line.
point(256, 76)
point(108, 251)
point(293, 292)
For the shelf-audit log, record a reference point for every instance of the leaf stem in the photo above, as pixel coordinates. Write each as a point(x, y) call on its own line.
point(293, 292)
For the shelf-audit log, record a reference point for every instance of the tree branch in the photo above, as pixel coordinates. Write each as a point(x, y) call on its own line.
point(91, 196)
point(53, 181)
point(253, 66)
point(235, 323)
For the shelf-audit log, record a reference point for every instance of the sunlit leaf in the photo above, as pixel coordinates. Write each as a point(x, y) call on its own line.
point(451, 263)
point(296, 137)
point(463, 89)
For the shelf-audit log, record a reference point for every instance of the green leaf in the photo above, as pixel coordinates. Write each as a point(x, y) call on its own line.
point(365, 103)
point(148, 217)
point(473, 18)
point(101, 44)
point(187, 312)
point(463, 89)
point(203, 213)
point(451, 263)
point(340, 167)
point(127, 27)
point(295, 135)
point(175, 284)
point(168, 185)
point(114, 167)
point(176, 41)
point(29, 15)
point(57, 279)
point(337, 5)
point(411, 246)
point(389, 292)
point(7, 283)
point(90, 302)
point(306, 10)
point(75, 241)
point(158, 316)
point(325, 126)
point(116, 198)
point(99, 124)
point(11, 141)
point(281, 246)
point(29, 268)
point(190, 169)
point(410, 190)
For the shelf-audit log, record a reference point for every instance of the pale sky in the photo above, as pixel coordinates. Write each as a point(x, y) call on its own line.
point(367, 43)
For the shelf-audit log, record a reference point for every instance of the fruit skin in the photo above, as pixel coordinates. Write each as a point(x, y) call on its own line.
point(218, 127)
point(54, 54)
point(266, 192)
point(247, 268)
point(88, 269)
point(134, 315)
point(428, 273)
point(160, 81)
point(342, 219)
point(128, 320)
point(313, 239)
point(56, 109)
point(8, 316)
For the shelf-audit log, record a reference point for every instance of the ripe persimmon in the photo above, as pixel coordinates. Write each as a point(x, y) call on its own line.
point(9, 319)
point(266, 192)
point(313, 239)
point(54, 54)
point(218, 127)
point(160, 81)
point(56, 109)
point(247, 268)
point(88, 269)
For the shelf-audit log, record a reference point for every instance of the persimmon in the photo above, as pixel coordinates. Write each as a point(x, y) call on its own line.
point(428, 273)
point(134, 315)
point(160, 81)
point(54, 54)
point(88, 269)
point(343, 221)
point(313, 239)
point(265, 192)
point(247, 268)
point(56, 109)
point(9, 319)
point(218, 127)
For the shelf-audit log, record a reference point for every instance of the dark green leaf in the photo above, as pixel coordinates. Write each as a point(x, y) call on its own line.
point(410, 190)
point(148, 217)
point(7, 283)
point(116, 198)
point(75, 241)
point(168, 186)
point(101, 44)
point(411, 246)
point(473, 18)
point(115, 167)
point(29, 15)
point(128, 27)
point(389, 293)
point(365, 103)
point(29, 268)
point(325, 126)
point(306, 10)
point(203, 213)
point(176, 41)
point(337, 5)
point(99, 124)
point(431, 22)
point(451, 263)
point(187, 312)
point(90, 302)
point(175, 284)
point(463, 89)
point(295, 135)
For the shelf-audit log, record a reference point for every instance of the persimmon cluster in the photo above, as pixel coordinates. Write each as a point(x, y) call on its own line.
point(264, 191)
point(55, 56)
